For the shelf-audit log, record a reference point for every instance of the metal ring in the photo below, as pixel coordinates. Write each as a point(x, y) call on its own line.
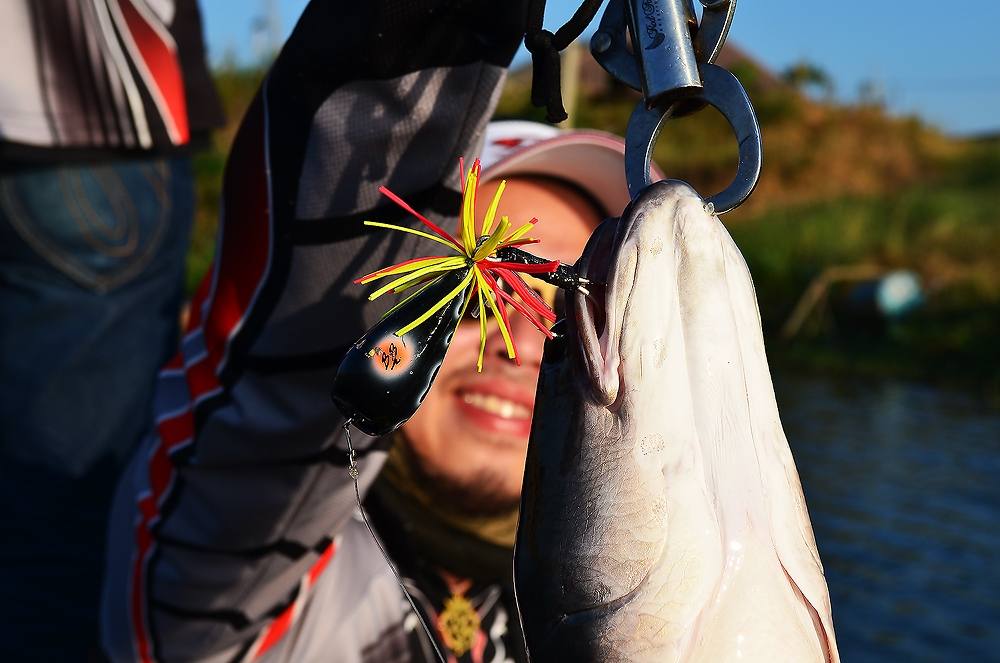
point(724, 92)
point(713, 29)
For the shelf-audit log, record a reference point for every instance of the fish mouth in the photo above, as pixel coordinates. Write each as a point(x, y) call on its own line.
point(588, 313)
point(611, 260)
point(599, 315)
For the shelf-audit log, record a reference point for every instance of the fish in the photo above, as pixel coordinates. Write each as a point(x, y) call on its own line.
point(662, 517)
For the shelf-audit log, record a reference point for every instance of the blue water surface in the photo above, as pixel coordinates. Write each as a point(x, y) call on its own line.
point(903, 486)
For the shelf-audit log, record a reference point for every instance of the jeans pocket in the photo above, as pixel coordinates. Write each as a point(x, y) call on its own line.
point(99, 225)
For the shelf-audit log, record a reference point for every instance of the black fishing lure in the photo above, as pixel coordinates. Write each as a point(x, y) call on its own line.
point(386, 374)
point(384, 378)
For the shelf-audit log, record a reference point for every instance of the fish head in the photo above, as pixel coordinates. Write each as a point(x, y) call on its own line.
point(661, 514)
point(621, 332)
point(586, 544)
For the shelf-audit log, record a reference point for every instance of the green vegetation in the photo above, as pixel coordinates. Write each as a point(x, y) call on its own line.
point(946, 230)
point(236, 87)
point(841, 186)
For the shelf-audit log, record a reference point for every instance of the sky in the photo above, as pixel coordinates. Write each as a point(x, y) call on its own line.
point(922, 59)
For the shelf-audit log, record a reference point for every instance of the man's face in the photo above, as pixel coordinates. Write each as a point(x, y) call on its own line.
point(470, 434)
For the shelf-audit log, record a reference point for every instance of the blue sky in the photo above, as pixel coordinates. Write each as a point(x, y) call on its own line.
point(921, 55)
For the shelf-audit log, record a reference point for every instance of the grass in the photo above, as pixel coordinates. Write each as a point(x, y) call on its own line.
point(946, 230)
point(208, 169)
point(947, 233)
point(841, 185)
point(236, 88)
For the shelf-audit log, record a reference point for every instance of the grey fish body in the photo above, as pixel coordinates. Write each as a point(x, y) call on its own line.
point(662, 517)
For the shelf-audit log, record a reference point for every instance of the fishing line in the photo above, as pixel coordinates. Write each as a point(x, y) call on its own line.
point(354, 473)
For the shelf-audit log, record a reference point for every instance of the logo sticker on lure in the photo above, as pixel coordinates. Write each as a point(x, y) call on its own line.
point(390, 355)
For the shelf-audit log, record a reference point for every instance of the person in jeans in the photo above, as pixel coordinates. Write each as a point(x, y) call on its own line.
point(100, 103)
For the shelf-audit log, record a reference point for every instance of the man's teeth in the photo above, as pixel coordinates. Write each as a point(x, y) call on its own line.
point(495, 405)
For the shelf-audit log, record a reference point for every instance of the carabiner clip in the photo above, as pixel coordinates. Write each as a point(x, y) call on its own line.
point(670, 62)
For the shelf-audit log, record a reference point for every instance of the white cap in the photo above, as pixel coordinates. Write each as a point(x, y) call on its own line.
point(592, 160)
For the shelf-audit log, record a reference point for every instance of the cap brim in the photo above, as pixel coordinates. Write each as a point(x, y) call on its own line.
point(592, 160)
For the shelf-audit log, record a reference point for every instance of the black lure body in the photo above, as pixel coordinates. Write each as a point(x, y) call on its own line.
point(383, 378)
point(564, 276)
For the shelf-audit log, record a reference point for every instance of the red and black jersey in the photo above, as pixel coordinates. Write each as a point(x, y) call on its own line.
point(93, 76)
point(233, 534)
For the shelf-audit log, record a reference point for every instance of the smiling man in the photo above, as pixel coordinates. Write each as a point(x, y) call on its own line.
point(471, 431)
point(445, 504)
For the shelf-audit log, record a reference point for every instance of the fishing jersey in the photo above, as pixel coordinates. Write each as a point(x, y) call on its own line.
point(92, 76)
point(234, 532)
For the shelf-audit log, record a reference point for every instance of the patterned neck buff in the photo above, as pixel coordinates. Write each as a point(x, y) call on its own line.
point(457, 566)
point(403, 480)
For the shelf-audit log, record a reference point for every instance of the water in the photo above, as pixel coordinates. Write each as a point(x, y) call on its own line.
point(903, 486)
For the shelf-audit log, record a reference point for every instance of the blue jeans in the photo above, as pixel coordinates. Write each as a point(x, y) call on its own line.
point(91, 274)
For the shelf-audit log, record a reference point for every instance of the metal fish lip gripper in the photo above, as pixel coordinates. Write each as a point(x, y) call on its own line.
point(659, 48)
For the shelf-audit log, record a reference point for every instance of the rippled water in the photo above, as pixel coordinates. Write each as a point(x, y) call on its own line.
point(903, 486)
